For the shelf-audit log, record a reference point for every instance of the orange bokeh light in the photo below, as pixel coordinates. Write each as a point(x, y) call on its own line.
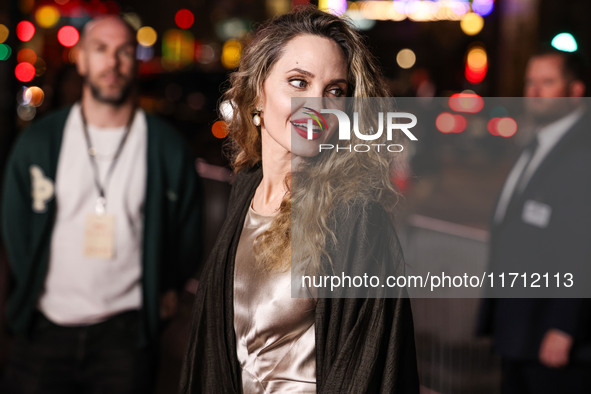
point(219, 129)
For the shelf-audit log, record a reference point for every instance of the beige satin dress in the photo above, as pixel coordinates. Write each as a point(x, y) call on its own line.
point(274, 333)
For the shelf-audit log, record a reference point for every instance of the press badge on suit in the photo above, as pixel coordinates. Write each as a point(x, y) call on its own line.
point(536, 213)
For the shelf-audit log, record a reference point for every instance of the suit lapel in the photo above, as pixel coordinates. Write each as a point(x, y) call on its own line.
point(557, 153)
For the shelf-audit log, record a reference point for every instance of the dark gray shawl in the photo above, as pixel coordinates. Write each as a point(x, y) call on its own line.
point(363, 345)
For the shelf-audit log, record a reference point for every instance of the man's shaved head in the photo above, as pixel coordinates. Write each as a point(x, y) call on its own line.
point(107, 60)
point(90, 25)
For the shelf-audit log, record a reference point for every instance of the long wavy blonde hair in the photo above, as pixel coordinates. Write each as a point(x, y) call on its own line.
point(326, 180)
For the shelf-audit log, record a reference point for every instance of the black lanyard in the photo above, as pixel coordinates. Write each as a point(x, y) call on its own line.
point(102, 200)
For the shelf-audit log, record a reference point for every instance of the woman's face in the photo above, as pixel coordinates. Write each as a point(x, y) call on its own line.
point(310, 67)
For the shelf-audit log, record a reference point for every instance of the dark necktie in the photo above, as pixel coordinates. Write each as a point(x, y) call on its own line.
point(530, 151)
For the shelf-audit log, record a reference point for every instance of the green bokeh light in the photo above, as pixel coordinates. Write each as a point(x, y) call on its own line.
point(5, 52)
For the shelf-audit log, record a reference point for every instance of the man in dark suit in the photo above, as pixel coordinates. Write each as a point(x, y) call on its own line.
point(541, 222)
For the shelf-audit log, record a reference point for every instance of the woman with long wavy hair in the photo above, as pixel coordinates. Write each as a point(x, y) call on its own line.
point(329, 213)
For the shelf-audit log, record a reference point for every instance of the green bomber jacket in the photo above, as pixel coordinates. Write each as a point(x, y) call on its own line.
point(172, 218)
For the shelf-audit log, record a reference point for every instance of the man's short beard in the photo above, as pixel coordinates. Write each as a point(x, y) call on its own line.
point(559, 110)
point(116, 101)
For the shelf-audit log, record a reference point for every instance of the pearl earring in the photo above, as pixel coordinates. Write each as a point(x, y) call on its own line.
point(257, 117)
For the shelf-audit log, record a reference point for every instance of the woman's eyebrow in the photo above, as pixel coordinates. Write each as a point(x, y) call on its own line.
point(340, 80)
point(302, 71)
point(310, 75)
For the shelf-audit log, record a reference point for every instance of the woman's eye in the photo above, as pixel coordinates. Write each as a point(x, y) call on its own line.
point(338, 92)
point(298, 83)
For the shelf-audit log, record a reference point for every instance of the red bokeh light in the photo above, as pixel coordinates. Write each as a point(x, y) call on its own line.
point(25, 30)
point(184, 18)
point(466, 102)
point(445, 122)
point(401, 182)
point(24, 72)
point(492, 126)
point(198, 50)
point(26, 55)
point(475, 75)
point(502, 127)
point(68, 36)
point(449, 123)
point(507, 127)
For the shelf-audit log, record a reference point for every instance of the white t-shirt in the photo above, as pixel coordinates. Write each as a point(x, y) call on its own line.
point(84, 290)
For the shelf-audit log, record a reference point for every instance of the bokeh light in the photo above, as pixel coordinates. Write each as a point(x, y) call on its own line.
point(5, 52)
point(477, 58)
point(69, 55)
point(144, 53)
point(406, 58)
point(498, 112)
point(565, 42)
point(474, 76)
point(24, 72)
point(502, 126)
point(232, 28)
point(26, 55)
point(466, 102)
point(34, 96)
point(25, 31)
point(4, 32)
point(47, 16)
point(133, 19)
point(335, 7)
point(147, 36)
point(178, 48)
point(483, 7)
point(360, 22)
point(198, 49)
point(472, 24)
point(450, 123)
point(184, 18)
point(459, 7)
point(40, 67)
point(207, 54)
point(506, 127)
point(219, 129)
point(68, 36)
point(231, 52)
point(423, 11)
point(476, 64)
point(26, 112)
point(278, 7)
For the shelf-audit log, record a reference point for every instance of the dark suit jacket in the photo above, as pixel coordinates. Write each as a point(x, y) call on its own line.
point(363, 345)
point(561, 182)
